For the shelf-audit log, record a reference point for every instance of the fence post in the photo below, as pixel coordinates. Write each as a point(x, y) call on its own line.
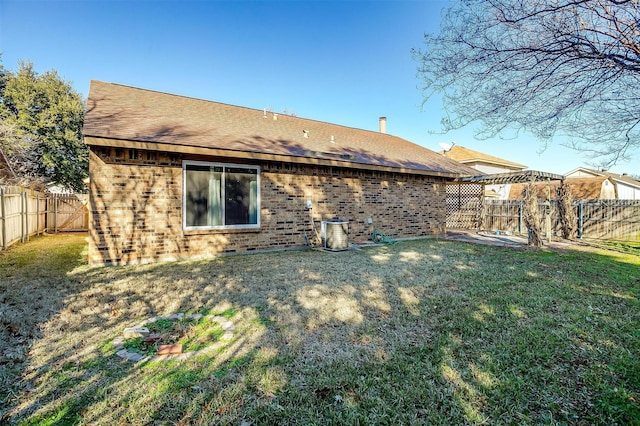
point(26, 215)
point(55, 213)
point(520, 217)
point(481, 217)
point(22, 239)
point(3, 213)
point(37, 213)
point(47, 212)
point(580, 220)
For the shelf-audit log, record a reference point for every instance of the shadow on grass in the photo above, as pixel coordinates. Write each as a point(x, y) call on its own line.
point(423, 332)
point(34, 288)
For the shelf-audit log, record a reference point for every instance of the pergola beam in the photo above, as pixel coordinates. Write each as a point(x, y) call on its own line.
point(523, 176)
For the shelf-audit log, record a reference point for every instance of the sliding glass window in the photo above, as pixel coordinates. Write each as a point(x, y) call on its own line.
point(221, 196)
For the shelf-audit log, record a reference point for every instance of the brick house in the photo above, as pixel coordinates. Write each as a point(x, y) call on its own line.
point(173, 177)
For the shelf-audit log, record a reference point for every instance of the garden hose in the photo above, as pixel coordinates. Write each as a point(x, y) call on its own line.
point(379, 238)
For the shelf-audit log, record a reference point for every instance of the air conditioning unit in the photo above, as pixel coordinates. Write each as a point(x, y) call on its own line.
point(335, 234)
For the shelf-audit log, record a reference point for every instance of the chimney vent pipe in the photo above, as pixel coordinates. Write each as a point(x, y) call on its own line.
point(383, 124)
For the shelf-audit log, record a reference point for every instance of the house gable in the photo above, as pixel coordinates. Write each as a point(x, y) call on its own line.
point(582, 172)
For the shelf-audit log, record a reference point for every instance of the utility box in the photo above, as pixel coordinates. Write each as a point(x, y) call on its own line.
point(336, 234)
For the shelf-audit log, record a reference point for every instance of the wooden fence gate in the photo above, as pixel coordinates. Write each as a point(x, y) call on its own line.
point(68, 212)
point(25, 212)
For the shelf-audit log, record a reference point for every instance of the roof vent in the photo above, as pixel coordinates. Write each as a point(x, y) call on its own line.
point(305, 133)
point(333, 139)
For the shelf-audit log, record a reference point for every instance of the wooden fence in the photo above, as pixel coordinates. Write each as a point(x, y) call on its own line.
point(601, 219)
point(25, 212)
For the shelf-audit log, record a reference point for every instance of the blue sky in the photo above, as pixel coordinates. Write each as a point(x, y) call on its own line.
point(344, 62)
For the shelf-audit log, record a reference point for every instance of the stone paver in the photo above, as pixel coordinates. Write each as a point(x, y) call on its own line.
point(133, 332)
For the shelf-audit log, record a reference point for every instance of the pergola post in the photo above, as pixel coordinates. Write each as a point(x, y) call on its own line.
point(547, 211)
point(483, 212)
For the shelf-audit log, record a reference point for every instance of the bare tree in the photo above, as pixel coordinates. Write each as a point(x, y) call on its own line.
point(531, 215)
point(550, 67)
point(568, 217)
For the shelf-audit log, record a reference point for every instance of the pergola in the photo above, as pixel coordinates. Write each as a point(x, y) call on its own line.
point(466, 195)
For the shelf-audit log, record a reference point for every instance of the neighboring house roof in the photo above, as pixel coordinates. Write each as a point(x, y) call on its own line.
point(590, 188)
point(628, 180)
point(466, 155)
point(125, 116)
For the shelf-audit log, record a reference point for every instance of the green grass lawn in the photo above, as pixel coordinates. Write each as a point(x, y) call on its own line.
point(421, 332)
point(630, 247)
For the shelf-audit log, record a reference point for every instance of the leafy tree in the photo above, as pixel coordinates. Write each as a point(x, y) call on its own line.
point(41, 120)
point(550, 67)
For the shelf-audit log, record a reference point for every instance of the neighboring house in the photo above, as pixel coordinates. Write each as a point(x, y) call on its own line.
point(486, 164)
point(624, 186)
point(173, 177)
point(591, 188)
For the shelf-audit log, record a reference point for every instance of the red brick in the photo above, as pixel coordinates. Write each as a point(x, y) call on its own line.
point(170, 349)
point(129, 226)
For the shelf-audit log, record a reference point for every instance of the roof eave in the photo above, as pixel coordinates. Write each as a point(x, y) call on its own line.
point(217, 152)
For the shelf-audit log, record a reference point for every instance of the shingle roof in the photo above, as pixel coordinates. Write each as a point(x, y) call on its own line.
point(588, 188)
point(466, 155)
point(615, 176)
point(122, 113)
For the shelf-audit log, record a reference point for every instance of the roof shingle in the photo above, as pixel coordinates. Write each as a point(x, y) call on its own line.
point(466, 155)
point(137, 115)
point(615, 176)
point(581, 188)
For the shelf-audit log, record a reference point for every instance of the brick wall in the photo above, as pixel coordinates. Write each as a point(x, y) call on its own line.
point(136, 207)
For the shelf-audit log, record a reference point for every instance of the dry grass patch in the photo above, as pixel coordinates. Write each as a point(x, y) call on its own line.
point(422, 332)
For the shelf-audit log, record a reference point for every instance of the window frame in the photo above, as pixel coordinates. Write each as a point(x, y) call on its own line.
point(225, 166)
